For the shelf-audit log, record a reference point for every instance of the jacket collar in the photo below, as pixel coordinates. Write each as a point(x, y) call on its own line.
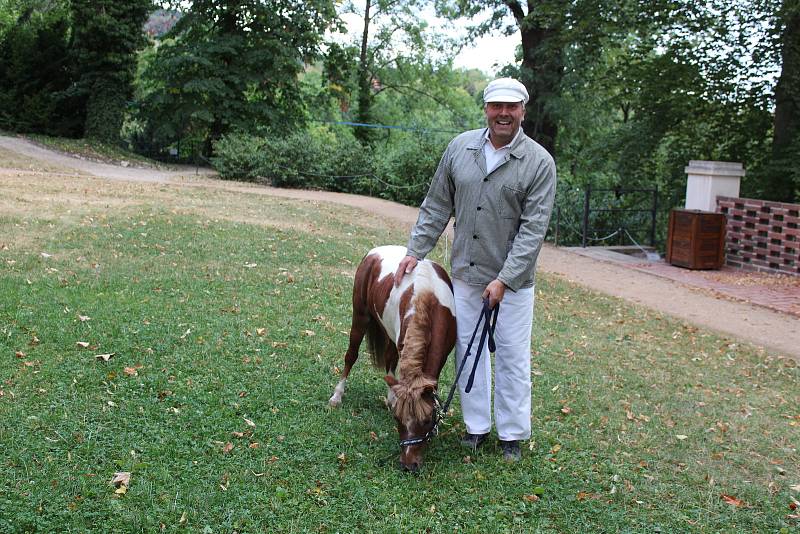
point(515, 149)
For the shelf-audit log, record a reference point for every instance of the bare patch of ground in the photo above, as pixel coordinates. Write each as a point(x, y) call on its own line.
point(73, 183)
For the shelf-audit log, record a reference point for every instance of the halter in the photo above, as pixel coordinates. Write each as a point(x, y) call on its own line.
point(489, 318)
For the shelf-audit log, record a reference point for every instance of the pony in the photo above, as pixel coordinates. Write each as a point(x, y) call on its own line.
point(410, 330)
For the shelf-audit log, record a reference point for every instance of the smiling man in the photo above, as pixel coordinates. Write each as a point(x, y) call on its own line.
point(499, 185)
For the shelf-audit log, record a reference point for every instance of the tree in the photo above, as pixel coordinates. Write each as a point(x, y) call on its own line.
point(547, 29)
point(394, 52)
point(35, 72)
point(784, 177)
point(232, 65)
point(105, 37)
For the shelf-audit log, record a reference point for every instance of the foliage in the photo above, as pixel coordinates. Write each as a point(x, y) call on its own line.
point(322, 158)
point(227, 338)
point(35, 73)
point(395, 52)
point(105, 37)
point(230, 66)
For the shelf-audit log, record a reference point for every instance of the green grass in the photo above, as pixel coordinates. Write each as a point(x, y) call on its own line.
point(95, 150)
point(214, 323)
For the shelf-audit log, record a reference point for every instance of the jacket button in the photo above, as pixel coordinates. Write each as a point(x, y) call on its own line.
point(475, 236)
point(479, 208)
point(485, 179)
point(472, 264)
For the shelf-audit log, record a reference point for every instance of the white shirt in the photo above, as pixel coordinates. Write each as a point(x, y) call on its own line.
point(495, 156)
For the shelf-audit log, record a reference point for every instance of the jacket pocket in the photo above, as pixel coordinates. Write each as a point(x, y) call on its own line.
point(511, 201)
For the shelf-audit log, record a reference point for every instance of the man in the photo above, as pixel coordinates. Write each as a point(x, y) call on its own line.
point(500, 185)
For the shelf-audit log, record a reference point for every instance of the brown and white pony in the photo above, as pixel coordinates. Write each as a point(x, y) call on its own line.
point(410, 331)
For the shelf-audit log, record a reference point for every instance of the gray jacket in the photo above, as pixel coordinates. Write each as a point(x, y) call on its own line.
point(500, 218)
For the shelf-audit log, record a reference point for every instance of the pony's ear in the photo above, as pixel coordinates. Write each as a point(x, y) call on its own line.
point(390, 380)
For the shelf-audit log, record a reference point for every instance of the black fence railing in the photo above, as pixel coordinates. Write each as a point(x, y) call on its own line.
point(620, 216)
point(607, 216)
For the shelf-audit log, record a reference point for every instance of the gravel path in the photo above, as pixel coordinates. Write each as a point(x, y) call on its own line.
point(738, 320)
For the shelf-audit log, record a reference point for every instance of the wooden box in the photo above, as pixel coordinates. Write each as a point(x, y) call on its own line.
point(696, 239)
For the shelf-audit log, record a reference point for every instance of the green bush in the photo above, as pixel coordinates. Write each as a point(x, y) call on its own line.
point(332, 160)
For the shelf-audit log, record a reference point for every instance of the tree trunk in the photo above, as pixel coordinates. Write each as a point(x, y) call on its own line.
point(784, 179)
point(363, 111)
point(542, 71)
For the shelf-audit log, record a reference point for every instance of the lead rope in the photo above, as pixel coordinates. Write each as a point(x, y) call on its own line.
point(489, 318)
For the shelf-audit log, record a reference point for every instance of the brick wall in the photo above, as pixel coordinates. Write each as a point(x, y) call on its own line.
point(761, 235)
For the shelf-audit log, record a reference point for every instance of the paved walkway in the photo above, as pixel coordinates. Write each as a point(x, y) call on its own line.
point(780, 293)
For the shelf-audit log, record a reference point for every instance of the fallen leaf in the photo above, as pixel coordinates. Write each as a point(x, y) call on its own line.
point(733, 501)
point(261, 331)
point(373, 436)
point(531, 498)
point(796, 488)
point(237, 434)
point(84, 318)
point(681, 437)
point(121, 478)
point(309, 333)
point(19, 354)
point(130, 371)
point(227, 448)
point(105, 357)
point(82, 344)
point(566, 410)
point(253, 445)
point(556, 448)
point(249, 422)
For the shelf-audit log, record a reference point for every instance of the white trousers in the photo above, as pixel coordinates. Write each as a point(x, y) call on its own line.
point(512, 363)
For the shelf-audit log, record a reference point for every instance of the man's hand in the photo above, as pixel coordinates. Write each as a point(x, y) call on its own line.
point(407, 265)
point(494, 292)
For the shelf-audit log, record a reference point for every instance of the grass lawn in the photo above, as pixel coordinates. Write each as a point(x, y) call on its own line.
point(226, 316)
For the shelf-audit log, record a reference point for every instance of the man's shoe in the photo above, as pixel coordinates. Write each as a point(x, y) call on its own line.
point(511, 451)
point(473, 441)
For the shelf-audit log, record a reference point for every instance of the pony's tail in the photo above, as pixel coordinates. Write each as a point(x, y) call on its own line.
point(376, 344)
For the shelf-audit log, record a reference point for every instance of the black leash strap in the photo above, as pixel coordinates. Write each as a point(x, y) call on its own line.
point(489, 318)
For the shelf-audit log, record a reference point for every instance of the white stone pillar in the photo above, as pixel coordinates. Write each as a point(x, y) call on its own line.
point(709, 179)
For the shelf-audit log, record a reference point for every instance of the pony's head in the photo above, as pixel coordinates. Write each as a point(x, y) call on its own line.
point(413, 405)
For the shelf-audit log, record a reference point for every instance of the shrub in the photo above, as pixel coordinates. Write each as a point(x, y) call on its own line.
point(323, 158)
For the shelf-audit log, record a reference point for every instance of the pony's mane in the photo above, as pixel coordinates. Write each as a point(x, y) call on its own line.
point(417, 337)
point(410, 404)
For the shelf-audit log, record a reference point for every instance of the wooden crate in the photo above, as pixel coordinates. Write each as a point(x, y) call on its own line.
point(696, 239)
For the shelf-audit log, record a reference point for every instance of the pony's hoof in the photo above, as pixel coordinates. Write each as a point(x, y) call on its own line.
point(334, 402)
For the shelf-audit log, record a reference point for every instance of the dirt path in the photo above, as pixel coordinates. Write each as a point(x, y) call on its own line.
point(738, 320)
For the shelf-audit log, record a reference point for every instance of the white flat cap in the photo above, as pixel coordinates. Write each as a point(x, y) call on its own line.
point(505, 90)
